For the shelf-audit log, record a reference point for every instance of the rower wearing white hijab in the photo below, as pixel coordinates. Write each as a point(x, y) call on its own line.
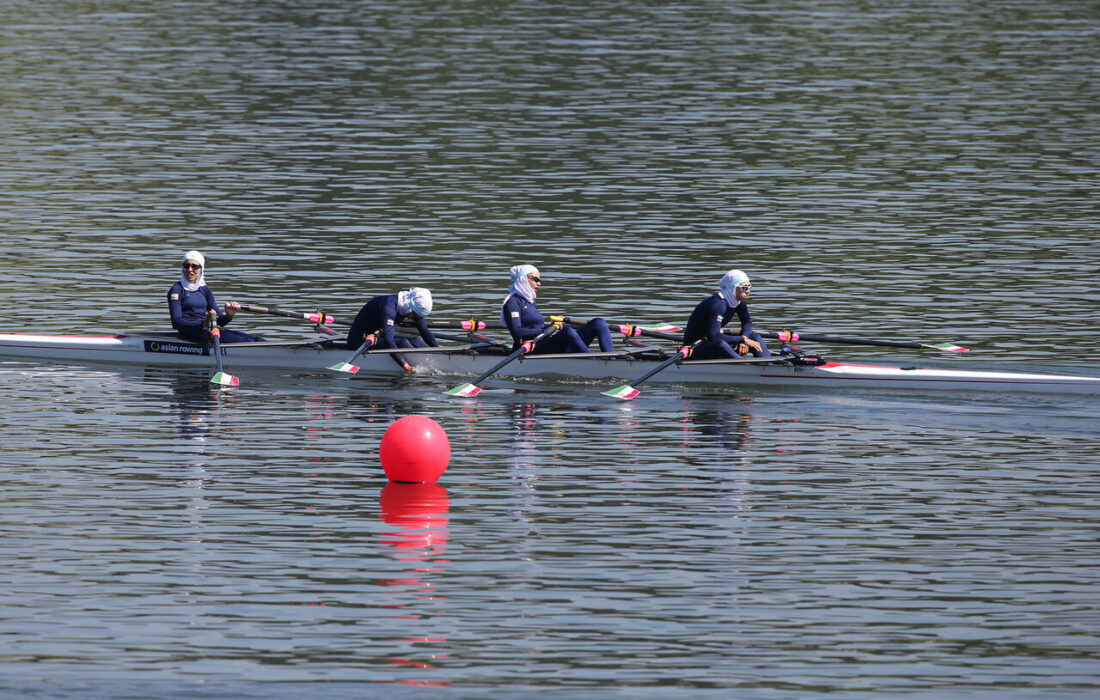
point(520, 314)
point(384, 313)
point(190, 302)
point(716, 311)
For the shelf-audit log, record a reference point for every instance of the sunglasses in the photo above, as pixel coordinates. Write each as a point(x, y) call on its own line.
point(536, 279)
point(191, 266)
point(746, 288)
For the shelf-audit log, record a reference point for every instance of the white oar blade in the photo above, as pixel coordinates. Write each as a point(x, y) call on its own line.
point(947, 347)
point(225, 379)
point(344, 367)
point(624, 392)
point(465, 391)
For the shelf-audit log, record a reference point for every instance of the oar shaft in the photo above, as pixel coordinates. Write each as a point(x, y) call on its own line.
point(680, 355)
point(788, 336)
point(314, 317)
point(471, 324)
point(511, 356)
point(325, 319)
point(526, 347)
point(219, 377)
point(628, 329)
point(216, 334)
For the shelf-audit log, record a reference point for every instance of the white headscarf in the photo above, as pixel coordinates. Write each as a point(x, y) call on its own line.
point(728, 284)
point(418, 300)
point(521, 286)
point(201, 281)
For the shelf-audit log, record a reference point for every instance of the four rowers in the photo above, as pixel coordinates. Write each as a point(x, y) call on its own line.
point(190, 303)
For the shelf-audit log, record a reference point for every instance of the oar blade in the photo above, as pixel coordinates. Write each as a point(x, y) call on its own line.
point(465, 390)
point(225, 379)
point(346, 367)
point(945, 347)
point(624, 392)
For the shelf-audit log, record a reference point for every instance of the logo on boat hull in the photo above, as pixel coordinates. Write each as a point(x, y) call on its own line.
point(172, 348)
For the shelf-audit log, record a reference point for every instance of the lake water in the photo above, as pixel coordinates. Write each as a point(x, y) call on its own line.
point(923, 170)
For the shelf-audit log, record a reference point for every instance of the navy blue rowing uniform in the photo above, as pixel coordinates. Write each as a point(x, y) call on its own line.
point(706, 324)
point(381, 315)
point(188, 311)
point(524, 322)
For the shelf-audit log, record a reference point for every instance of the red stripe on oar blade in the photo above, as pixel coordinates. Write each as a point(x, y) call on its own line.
point(225, 379)
point(465, 391)
point(624, 392)
point(344, 367)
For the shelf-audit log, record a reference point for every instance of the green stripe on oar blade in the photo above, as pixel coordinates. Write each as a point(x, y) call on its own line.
point(624, 392)
point(466, 390)
point(344, 367)
point(225, 379)
point(946, 347)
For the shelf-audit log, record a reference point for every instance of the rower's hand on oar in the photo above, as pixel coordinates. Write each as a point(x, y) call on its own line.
point(231, 309)
point(749, 343)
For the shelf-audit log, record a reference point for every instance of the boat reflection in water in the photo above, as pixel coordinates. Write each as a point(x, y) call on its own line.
point(420, 514)
point(201, 409)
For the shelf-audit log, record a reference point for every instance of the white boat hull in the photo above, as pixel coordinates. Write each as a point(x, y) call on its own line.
point(157, 349)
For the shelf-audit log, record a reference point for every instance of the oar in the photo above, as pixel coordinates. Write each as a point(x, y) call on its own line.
point(467, 325)
point(348, 366)
point(472, 389)
point(629, 391)
point(220, 377)
point(315, 317)
point(663, 331)
point(321, 318)
point(630, 330)
point(790, 337)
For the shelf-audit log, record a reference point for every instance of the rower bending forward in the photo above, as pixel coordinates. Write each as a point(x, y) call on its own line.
point(715, 311)
point(384, 313)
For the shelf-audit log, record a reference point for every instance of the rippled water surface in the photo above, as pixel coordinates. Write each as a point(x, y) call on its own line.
point(906, 171)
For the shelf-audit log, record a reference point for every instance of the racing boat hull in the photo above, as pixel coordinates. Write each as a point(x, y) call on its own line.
point(314, 356)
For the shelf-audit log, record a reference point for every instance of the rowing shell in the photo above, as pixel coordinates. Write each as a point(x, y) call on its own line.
point(316, 354)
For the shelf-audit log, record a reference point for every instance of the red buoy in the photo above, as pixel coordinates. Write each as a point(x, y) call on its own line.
point(415, 450)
